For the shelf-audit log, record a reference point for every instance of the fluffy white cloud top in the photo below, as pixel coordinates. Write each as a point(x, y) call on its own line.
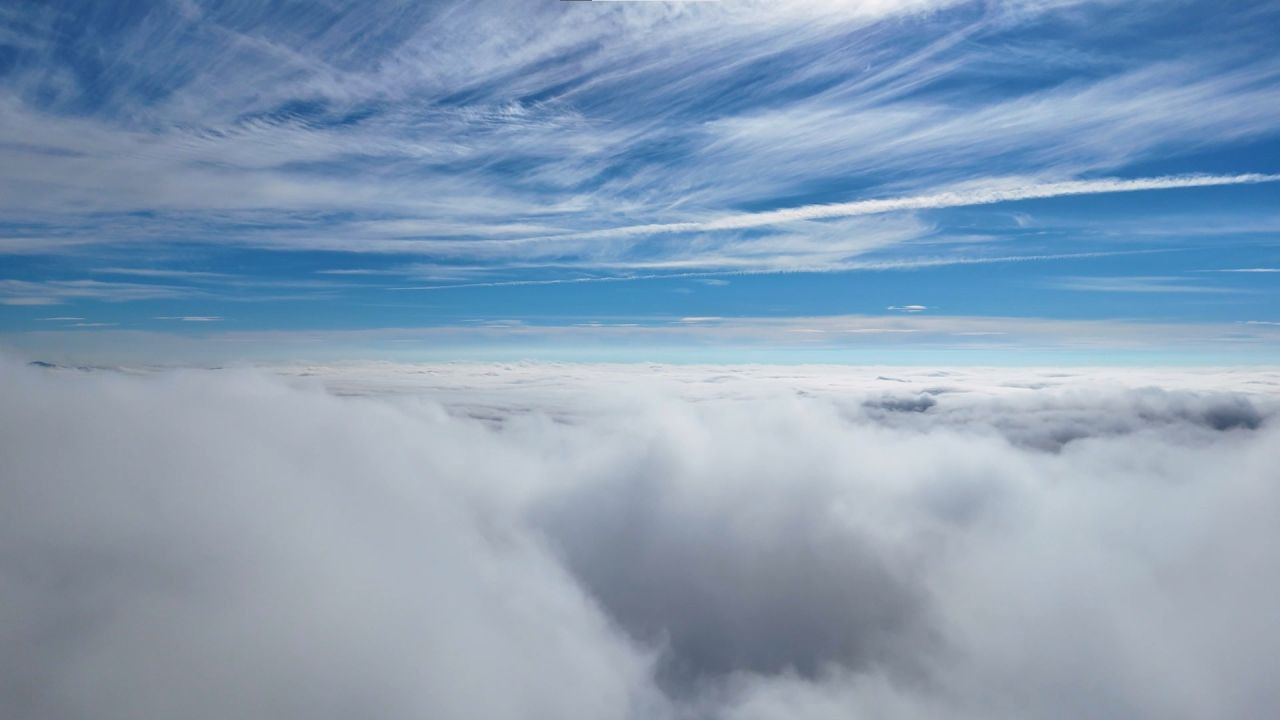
point(638, 542)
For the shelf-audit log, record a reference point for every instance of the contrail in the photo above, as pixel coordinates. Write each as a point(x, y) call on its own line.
point(935, 201)
point(957, 198)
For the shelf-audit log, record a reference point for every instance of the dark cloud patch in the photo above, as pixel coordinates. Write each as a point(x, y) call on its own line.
point(902, 403)
point(726, 586)
point(1225, 413)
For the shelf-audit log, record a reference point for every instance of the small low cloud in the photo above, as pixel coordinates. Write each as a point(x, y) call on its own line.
point(908, 308)
point(190, 318)
point(1135, 284)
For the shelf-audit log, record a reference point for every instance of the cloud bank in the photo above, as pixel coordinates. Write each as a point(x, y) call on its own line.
point(643, 542)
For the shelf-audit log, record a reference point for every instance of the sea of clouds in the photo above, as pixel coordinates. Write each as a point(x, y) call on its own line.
point(570, 541)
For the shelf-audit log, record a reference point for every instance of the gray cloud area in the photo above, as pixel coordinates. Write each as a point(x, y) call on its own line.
point(546, 542)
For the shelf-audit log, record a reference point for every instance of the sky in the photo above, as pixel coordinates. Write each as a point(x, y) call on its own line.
point(639, 360)
point(1000, 182)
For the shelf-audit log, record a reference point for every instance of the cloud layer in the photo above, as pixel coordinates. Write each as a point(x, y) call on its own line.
point(645, 542)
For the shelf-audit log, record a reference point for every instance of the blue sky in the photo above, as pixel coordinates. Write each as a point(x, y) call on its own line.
point(920, 181)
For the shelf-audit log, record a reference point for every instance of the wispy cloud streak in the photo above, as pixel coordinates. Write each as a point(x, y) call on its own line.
point(851, 266)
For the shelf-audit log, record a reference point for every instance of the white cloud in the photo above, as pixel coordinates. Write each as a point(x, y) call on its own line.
point(638, 542)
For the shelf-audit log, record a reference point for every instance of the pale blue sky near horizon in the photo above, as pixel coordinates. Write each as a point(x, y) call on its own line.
point(927, 181)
